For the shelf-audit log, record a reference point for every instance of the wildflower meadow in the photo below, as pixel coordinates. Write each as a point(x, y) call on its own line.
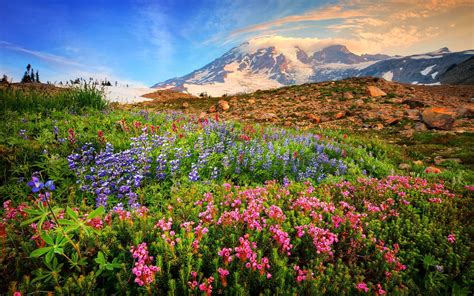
point(101, 201)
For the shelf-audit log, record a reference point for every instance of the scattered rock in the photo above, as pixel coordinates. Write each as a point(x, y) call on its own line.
point(185, 105)
point(251, 101)
point(223, 105)
point(313, 118)
point(212, 109)
point(413, 114)
point(266, 116)
point(440, 160)
point(432, 170)
point(392, 120)
point(418, 162)
point(359, 102)
point(420, 127)
point(413, 103)
point(404, 166)
point(374, 91)
point(379, 126)
point(439, 117)
point(340, 115)
point(347, 95)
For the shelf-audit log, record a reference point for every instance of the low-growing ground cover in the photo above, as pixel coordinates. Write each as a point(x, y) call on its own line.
point(102, 201)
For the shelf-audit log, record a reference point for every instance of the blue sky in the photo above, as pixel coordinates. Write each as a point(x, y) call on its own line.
point(150, 41)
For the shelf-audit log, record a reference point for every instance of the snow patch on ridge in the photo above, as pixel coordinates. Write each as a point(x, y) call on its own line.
point(388, 76)
point(427, 70)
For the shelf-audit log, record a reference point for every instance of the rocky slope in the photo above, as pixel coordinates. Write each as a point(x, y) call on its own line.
point(355, 103)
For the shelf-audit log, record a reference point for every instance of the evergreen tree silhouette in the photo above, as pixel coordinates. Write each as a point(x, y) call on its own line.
point(32, 75)
point(37, 77)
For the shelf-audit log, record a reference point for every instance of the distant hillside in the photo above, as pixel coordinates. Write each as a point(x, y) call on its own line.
point(462, 73)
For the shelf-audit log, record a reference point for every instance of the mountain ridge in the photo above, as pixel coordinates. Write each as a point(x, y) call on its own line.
point(245, 69)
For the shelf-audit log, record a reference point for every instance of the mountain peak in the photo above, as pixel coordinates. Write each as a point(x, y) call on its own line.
point(441, 50)
point(337, 47)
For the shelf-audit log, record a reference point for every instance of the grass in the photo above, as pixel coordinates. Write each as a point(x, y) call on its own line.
point(46, 99)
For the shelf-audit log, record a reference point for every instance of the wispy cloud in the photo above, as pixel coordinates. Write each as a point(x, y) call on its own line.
point(63, 68)
point(47, 57)
point(325, 13)
point(367, 26)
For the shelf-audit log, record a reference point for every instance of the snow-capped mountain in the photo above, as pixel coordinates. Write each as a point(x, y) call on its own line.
point(246, 68)
point(418, 69)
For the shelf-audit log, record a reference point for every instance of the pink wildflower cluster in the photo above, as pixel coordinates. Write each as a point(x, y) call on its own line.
point(362, 287)
point(143, 270)
point(168, 235)
point(206, 287)
point(323, 239)
point(451, 238)
point(282, 238)
point(390, 256)
point(246, 253)
point(302, 274)
point(223, 273)
point(13, 212)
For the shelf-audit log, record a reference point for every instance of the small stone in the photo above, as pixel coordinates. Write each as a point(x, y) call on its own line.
point(202, 115)
point(340, 115)
point(223, 105)
point(359, 102)
point(374, 91)
point(432, 170)
point(379, 126)
point(404, 166)
point(212, 109)
point(413, 103)
point(185, 105)
point(313, 118)
point(251, 101)
point(348, 95)
point(420, 127)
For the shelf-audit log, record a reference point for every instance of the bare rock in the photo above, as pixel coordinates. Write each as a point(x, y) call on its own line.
point(413, 114)
point(404, 166)
point(340, 115)
point(374, 91)
point(223, 105)
point(251, 101)
point(313, 118)
point(185, 105)
point(439, 117)
point(432, 170)
point(348, 95)
point(413, 103)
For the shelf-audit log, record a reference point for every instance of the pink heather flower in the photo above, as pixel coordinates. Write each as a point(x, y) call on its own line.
point(282, 238)
point(362, 287)
point(469, 187)
point(452, 238)
point(226, 254)
point(223, 273)
point(143, 270)
point(380, 291)
point(96, 223)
